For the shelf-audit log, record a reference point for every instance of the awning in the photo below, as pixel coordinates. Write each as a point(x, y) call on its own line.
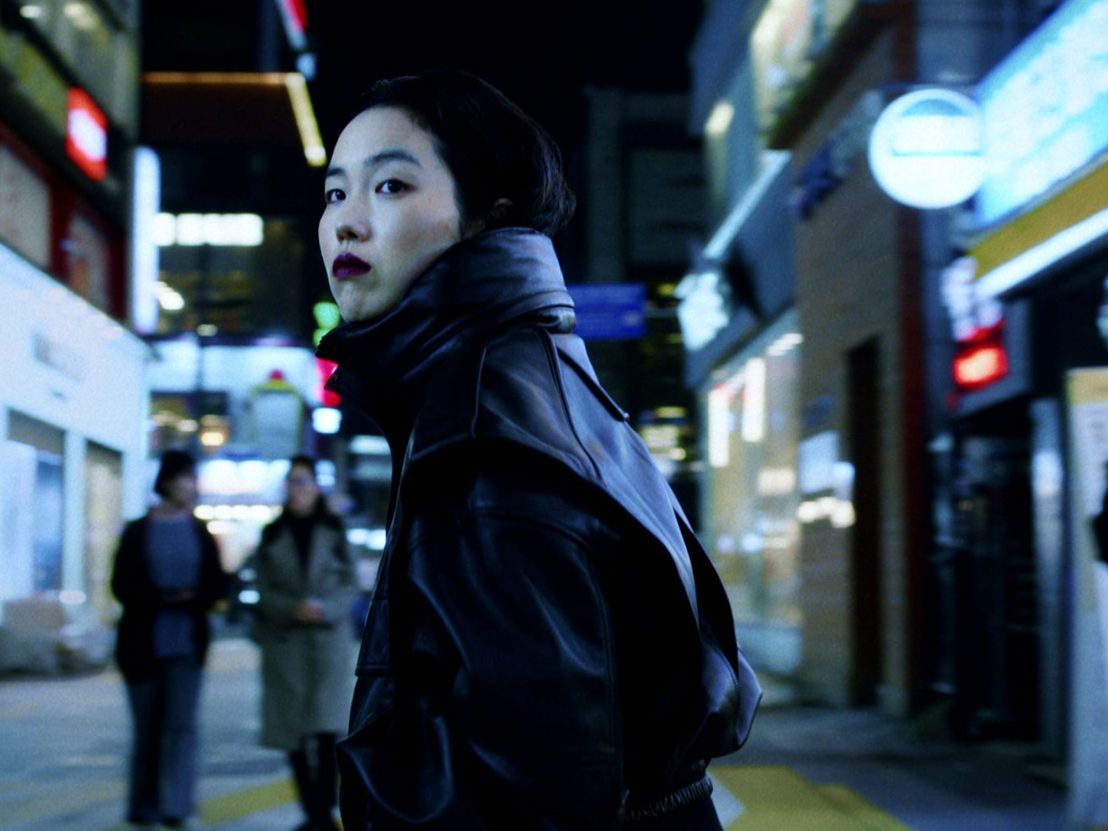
point(259, 109)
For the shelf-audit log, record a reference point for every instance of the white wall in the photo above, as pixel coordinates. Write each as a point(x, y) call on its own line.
point(67, 364)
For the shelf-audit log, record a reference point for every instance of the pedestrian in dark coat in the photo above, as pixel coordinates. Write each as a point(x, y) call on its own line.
point(305, 582)
point(548, 645)
point(167, 576)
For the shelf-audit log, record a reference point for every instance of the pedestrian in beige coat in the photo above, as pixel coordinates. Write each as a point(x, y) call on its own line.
point(305, 581)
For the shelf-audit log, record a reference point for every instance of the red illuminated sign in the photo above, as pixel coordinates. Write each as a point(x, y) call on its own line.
point(980, 365)
point(298, 13)
point(294, 14)
point(326, 369)
point(86, 135)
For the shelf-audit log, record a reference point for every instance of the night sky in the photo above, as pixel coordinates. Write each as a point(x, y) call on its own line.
point(540, 55)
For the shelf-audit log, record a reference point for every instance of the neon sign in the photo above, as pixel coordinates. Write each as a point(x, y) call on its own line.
point(1045, 109)
point(925, 149)
point(980, 365)
point(86, 135)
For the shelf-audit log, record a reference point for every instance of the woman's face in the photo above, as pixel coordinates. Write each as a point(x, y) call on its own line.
point(390, 210)
point(303, 491)
point(180, 491)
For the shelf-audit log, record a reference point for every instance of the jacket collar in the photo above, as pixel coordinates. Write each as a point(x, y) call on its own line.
point(479, 286)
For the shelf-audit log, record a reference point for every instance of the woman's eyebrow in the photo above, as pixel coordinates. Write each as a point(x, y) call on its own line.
point(390, 155)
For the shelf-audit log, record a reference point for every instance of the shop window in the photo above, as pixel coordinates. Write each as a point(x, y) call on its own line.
point(24, 209)
point(787, 41)
point(753, 529)
point(199, 420)
point(87, 261)
point(234, 287)
point(32, 506)
point(103, 523)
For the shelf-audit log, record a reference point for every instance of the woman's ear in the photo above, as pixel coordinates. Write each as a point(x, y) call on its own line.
point(492, 218)
point(498, 211)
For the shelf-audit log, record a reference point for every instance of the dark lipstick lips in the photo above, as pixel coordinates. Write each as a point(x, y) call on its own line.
point(347, 265)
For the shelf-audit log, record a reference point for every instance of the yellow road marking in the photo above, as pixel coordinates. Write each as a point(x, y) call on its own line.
point(778, 799)
point(245, 802)
point(213, 811)
point(868, 813)
point(773, 799)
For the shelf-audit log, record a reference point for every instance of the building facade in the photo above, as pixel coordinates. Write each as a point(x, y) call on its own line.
point(73, 385)
point(1024, 293)
point(821, 348)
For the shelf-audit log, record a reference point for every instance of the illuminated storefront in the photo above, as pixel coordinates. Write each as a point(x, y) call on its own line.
point(1026, 304)
point(231, 275)
point(243, 409)
point(785, 44)
point(751, 499)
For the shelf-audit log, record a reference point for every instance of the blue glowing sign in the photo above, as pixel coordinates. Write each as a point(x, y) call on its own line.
point(1045, 108)
point(609, 311)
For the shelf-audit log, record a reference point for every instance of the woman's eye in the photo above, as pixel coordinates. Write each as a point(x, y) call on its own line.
point(391, 186)
point(332, 196)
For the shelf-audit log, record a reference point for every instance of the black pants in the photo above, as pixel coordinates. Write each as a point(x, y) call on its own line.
point(163, 751)
point(313, 767)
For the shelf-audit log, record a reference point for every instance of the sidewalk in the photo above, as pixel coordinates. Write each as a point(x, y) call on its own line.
point(885, 773)
point(65, 741)
point(804, 768)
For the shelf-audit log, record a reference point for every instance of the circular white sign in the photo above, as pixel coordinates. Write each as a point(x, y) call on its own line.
point(925, 149)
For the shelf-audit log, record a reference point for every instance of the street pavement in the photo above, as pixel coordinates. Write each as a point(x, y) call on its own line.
point(63, 741)
point(805, 767)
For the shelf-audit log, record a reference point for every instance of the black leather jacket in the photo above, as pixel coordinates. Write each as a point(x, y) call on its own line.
point(548, 646)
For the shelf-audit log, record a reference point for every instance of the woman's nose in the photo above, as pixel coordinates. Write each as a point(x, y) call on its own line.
point(351, 224)
point(347, 229)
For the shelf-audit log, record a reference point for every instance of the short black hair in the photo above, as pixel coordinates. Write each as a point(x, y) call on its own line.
point(174, 463)
point(493, 149)
point(305, 461)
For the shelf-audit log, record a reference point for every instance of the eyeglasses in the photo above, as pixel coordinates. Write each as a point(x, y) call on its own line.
point(301, 480)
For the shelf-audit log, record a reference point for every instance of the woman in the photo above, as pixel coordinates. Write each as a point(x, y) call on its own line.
point(167, 576)
point(548, 645)
point(306, 587)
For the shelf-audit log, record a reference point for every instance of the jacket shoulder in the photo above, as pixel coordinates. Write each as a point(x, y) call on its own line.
point(520, 388)
point(537, 390)
point(133, 532)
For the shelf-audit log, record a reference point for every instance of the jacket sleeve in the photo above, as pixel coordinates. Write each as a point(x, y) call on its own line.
point(129, 582)
point(276, 601)
point(503, 710)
